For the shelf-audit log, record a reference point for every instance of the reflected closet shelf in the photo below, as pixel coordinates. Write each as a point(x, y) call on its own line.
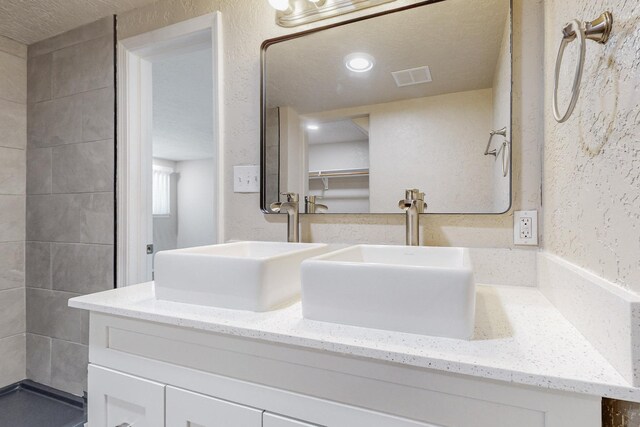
point(339, 173)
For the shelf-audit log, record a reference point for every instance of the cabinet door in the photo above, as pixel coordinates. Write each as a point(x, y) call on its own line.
point(189, 409)
point(117, 399)
point(273, 420)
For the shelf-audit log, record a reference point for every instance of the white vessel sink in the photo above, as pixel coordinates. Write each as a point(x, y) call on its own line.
point(421, 290)
point(255, 276)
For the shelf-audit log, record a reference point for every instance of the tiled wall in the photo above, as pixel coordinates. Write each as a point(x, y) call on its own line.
point(13, 144)
point(70, 199)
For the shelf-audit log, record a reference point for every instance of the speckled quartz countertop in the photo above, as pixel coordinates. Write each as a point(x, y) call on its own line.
point(519, 337)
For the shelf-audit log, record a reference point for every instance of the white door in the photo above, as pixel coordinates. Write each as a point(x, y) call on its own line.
point(273, 420)
point(168, 78)
point(189, 409)
point(118, 399)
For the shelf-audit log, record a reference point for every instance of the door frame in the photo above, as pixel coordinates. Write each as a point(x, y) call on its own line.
point(134, 217)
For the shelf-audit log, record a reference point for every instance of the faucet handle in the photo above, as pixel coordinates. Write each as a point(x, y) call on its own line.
point(291, 197)
point(412, 194)
point(405, 204)
point(275, 206)
point(413, 197)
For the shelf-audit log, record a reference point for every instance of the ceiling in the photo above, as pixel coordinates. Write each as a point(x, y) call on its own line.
point(459, 40)
point(29, 21)
point(337, 131)
point(183, 106)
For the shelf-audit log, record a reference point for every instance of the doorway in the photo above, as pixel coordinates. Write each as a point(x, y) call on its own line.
point(169, 145)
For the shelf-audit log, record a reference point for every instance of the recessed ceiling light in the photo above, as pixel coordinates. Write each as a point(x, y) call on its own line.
point(359, 62)
point(313, 127)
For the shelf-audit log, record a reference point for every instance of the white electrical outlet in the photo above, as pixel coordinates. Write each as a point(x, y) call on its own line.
point(525, 228)
point(246, 179)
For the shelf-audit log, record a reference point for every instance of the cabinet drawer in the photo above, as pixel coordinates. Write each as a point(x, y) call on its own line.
point(189, 409)
point(273, 420)
point(120, 399)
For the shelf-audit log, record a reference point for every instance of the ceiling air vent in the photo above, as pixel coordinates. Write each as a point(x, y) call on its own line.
point(412, 76)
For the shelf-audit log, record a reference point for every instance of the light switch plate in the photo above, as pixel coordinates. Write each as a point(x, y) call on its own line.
point(525, 228)
point(246, 179)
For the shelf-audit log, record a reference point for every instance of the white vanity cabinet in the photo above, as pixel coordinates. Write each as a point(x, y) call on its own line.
point(151, 374)
point(188, 409)
point(119, 399)
point(274, 420)
point(122, 400)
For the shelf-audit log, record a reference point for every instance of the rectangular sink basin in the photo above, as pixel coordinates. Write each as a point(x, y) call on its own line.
point(420, 290)
point(255, 276)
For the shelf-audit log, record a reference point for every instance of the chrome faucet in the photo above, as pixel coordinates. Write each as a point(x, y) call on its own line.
point(292, 208)
point(311, 207)
point(413, 204)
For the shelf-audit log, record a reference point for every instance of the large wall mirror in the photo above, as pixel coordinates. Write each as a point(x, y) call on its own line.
point(355, 114)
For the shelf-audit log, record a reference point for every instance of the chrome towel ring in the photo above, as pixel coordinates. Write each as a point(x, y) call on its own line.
point(505, 149)
point(598, 30)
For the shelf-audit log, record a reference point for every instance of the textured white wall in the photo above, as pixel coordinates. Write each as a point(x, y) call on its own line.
point(434, 144)
point(246, 24)
point(196, 204)
point(592, 162)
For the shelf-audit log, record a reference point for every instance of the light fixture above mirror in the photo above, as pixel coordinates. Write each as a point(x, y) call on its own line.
point(291, 13)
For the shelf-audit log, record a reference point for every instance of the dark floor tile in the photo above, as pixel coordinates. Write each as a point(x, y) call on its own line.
point(24, 408)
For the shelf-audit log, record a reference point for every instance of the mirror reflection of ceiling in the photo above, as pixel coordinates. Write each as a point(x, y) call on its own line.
point(477, 26)
point(183, 106)
point(29, 21)
point(337, 131)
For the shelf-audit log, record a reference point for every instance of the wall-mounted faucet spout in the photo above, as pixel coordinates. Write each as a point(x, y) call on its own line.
point(292, 208)
point(413, 204)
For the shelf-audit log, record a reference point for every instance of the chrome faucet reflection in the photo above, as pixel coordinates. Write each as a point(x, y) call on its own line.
point(313, 207)
point(413, 204)
point(292, 208)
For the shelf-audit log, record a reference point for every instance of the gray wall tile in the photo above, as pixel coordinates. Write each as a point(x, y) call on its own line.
point(12, 355)
point(12, 308)
point(70, 206)
point(12, 218)
point(69, 366)
point(71, 218)
point(83, 67)
point(12, 171)
point(38, 170)
point(39, 358)
point(49, 315)
point(13, 124)
point(39, 78)
point(13, 84)
point(12, 265)
point(55, 122)
point(38, 264)
point(86, 32)
point(98, 114)
point(85, 167)
point(82, 268)
point(13, 141)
